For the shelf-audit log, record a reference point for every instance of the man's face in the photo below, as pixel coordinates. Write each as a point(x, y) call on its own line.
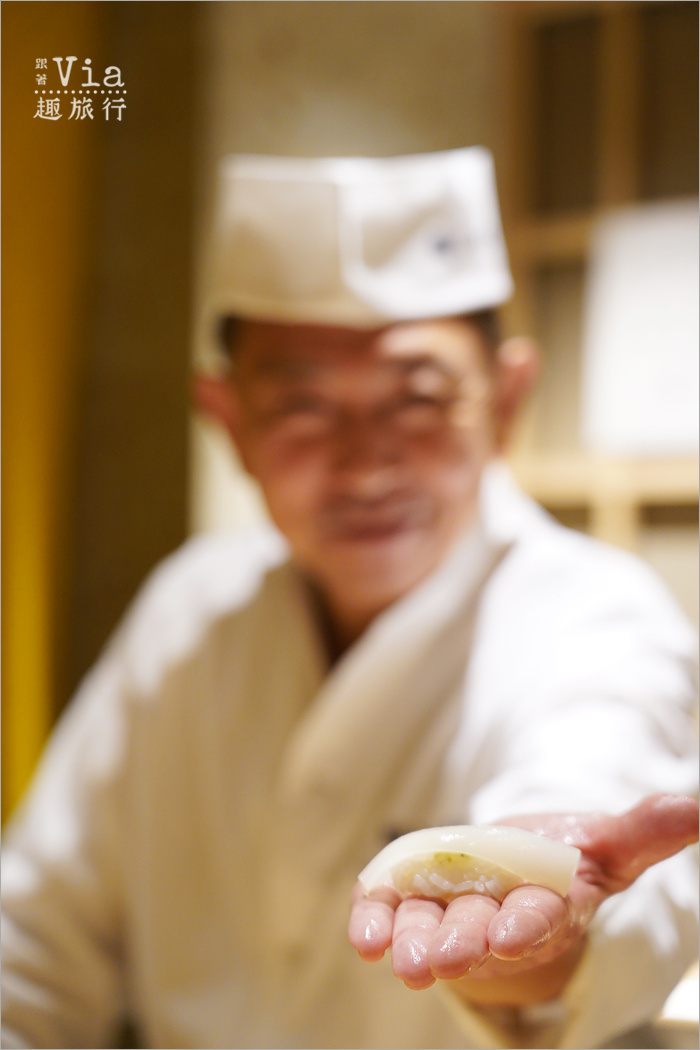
point(368, 445)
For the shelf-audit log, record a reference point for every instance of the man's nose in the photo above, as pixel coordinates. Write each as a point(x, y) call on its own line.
point(367, 454)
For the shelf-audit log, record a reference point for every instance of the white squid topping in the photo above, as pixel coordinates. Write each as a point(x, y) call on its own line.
point(444, 863)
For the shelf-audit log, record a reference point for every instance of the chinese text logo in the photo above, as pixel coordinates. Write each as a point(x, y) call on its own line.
point(84, 96)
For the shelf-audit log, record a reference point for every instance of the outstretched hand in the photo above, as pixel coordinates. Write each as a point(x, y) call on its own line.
point(525, 948)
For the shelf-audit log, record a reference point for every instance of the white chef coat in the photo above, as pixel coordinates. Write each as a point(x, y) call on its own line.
point(189, 846)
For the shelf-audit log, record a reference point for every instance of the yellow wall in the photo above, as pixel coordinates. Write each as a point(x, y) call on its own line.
point(46, 191)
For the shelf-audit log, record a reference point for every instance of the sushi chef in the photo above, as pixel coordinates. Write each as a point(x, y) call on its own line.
point(410, 643)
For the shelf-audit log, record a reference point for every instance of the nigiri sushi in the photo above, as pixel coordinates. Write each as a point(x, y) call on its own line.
point(444, 863)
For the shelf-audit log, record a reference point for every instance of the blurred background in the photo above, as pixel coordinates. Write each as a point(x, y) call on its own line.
point(588, 107)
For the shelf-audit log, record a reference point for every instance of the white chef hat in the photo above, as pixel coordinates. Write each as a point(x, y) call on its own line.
point(358, 241)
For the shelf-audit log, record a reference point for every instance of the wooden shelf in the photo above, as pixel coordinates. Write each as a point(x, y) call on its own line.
point(613, 492)
point(560, 239)
point(580, 480)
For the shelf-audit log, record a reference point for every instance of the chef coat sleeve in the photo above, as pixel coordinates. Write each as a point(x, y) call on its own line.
point(62, 926)
point(602, 714)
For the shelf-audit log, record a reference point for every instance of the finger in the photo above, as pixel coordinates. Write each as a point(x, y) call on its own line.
point(624, 846)
point(460, 945)
point(529, 918)
point(415, 922)
point(371, 922)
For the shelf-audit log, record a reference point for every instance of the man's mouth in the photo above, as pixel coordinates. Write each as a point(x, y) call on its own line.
point(359, 521)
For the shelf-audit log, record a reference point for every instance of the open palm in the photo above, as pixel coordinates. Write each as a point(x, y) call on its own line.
point(524, 948)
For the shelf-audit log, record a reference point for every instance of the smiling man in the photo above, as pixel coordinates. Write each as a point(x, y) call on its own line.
point(410, 643)
point(369, 445)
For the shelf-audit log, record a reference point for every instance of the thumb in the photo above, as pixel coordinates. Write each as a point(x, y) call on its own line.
point(624, 846)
